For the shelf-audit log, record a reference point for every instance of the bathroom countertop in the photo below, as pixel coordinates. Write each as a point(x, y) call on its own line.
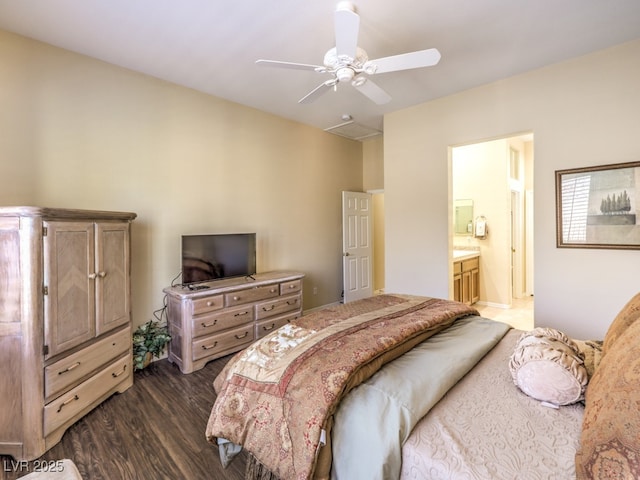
point(460, 255)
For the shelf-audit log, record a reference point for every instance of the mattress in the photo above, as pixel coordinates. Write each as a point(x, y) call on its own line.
point(486, 428)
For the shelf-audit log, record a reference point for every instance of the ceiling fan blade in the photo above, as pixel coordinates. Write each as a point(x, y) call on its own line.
point(291, 65)
point(405, 61)
point(318, 91)
point(347, 25)
point(371, 90)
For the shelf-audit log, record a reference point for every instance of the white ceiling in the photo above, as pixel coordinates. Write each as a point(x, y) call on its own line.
point(212, 45)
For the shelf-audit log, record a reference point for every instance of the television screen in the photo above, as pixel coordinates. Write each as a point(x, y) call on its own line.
point(211, 257)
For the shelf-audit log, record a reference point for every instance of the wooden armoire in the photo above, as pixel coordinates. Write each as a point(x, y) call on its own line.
point(65, 320)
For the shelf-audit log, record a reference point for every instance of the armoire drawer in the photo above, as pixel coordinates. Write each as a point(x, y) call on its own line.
point(228, 318)
point(63, 374)
point(221, 342)
point(278, 306)
point(67, 406)
point(251, 295)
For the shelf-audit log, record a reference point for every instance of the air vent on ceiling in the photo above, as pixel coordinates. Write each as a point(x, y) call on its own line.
point(353, 130)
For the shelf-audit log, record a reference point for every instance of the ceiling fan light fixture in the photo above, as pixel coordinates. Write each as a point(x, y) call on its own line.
point(345, 74)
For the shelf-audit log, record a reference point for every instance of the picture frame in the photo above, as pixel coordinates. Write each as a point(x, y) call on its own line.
point(598, 207)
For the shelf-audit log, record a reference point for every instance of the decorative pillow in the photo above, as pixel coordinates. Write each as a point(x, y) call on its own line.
point(547, 366)
point(629, 314)
point(610, 438)
point(591, 351)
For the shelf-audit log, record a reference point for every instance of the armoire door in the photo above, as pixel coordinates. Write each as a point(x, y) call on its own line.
point(69, 285)
point(112, 276)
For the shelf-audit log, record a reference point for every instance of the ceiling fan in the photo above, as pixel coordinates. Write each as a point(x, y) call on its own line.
point(347, 62)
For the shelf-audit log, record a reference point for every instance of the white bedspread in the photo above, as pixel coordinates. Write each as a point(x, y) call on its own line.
point(376, 418)
point(485, 427)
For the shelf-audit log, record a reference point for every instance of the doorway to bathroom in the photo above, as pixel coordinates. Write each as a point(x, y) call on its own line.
point(496, 177)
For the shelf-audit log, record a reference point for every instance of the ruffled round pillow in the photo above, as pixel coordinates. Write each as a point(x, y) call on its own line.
point(548, 366)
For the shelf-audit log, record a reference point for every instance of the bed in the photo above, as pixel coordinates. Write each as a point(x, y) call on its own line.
point(408, 387)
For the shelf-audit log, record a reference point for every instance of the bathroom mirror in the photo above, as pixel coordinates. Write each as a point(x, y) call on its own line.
point(463, 217)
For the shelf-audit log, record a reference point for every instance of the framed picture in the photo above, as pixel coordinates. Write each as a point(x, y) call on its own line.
point(599, 207)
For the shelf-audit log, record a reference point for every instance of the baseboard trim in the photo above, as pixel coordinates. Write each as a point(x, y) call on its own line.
point(315, 309)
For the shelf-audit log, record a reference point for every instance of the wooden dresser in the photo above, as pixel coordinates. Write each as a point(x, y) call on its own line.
point(229, 315)
point(65, 320)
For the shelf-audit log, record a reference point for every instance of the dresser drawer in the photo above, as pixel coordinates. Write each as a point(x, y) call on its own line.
point(293, 286)
point(64, 373)
point(251, 295)
point(278, 306)
point(265, 327)
point(67, 406)
point(223, 341)
point(207, 304)
point(228, 318)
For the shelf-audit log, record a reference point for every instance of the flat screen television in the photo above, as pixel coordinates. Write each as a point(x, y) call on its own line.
point(217, 256)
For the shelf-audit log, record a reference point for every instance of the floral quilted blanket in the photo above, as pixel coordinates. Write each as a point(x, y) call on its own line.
point(277, 397)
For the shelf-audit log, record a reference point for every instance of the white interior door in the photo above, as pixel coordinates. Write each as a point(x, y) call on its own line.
point(357, 242)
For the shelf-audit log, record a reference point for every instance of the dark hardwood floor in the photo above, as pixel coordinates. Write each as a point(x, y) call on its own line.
point(155, 430)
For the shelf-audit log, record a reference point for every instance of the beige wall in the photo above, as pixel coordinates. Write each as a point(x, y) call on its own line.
point(373, 163)
point(80, 133)
point(582, 112)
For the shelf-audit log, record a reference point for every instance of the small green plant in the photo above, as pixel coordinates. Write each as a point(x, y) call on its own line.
point(149, 340)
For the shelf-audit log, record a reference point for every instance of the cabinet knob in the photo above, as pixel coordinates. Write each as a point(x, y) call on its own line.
point(209, 303)
point(236, 298)
point(102, 274)
point(92, 276)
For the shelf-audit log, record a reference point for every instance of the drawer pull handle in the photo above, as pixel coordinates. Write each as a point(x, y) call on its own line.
point(265, 309)
point(241, 314)
point(69, 368)
point(116, 375)
point(241, 336)
point(236, 298)
point(264, 327)
point(292, 287)
point(209, 303)
point(273, 290)
point(67, 402)
point(292, 302)
point(209, 347)
point(205, 325)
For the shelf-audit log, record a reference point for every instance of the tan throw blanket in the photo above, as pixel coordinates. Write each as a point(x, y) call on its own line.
point(277, 397)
